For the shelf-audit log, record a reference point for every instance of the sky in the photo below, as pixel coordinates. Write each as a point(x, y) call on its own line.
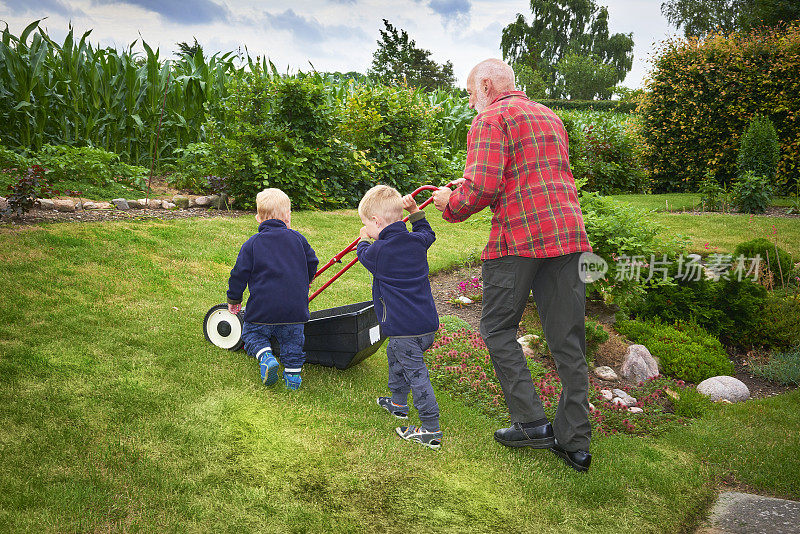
point(331, 35)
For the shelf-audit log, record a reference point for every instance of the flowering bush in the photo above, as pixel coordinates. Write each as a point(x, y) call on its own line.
point(459, 363)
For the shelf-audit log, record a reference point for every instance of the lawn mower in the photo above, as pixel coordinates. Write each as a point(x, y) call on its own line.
point(338, 337)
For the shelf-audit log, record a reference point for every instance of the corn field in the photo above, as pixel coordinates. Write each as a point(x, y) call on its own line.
point(73, 93)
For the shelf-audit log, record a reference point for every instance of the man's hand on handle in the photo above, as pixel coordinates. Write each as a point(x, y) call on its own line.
point(235, 308)
point(442, 196)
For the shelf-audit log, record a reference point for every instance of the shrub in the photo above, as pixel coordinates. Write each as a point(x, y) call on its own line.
point(31, 185)
point(751, 193)
point(395, 128)
point(701, 95)
point(759, 149)
point(80, 164)
point(730, 309)
point(604, 150)
point(779, 325)
point(280, 132)
point(615, 230)
point(595, 336)
point(772, 256)
point(782, 367)
point(712, 194)
point(685, 350)
point(11, 160)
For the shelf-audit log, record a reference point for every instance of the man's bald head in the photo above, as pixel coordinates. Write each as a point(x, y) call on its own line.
point(487, 80)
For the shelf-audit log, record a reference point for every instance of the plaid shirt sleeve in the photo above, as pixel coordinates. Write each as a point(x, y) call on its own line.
point(483, 173)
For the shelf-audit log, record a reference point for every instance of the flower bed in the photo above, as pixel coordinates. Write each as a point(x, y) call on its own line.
point(459, 364)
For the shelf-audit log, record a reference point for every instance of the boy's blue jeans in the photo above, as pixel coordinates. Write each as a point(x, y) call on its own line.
point(408, 374)
point(290, 339)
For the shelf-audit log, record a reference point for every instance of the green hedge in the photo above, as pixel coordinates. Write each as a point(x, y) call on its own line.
point(703, 93)
point(594, 105)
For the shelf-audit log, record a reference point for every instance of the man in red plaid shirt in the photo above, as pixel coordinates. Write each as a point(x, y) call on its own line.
point(518, 165)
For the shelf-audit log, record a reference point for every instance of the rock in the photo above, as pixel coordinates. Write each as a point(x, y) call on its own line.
point(531, 340)
point(591, 407)
point(221, 202)
point(213, 201)
point(154, 203)
point(202, 201)
point(606, 373)
point(167, 205)
point(91, 205)
point(46, 204)
point(88, 205)
point(103, 205)
point(3, 204)
point(142, 202)
point(639, 364)
point(121, 204)
point(619, 401)
point(464, 299)
point(528, 352)
point(134, 205)
point(635, 409)
point(192, 202)
point(606, 394)
point(64, 204)
point(181, 201)
point(624, 397)
point(719, 388)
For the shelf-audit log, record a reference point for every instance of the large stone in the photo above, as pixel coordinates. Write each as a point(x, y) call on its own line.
point(213, 201)
point(89, 205)
point(220, 202)
point(181, 201)
point(605, 372)
point(46, 204)
point(202, 201)
point(167, 205)
point(463, 299)
point(3, 204)
point(154, 203)
point(639, 364)
point(135, 204)
point(121, 204)
point(720, 388)
point(635, 409)
point(64, 204)
point(606, 394)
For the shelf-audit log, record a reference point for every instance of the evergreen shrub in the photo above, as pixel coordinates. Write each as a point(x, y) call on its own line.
point(773, 257)
point(685, 351)
point(759, 149)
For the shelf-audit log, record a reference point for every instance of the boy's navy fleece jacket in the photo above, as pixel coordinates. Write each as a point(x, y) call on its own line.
point(278, 264)
point(401, 291)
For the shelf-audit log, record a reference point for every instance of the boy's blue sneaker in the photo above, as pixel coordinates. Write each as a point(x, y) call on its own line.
point(269, 368)
point(426, 438)
point(397, 410)
point(292, 380)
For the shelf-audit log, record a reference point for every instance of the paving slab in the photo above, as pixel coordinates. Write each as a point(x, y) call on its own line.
point(743, 513)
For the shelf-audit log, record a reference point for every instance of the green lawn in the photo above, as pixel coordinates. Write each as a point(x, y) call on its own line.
point(116, 414)
point(677, 201)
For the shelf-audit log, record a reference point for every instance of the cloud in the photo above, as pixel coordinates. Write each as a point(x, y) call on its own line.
point(448, 8)
point(179, 11)
point(309, 29)
point(343, 1)
point(45, 7)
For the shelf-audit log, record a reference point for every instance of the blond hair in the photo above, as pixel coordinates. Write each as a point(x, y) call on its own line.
point(273, 203)
point(383, 201)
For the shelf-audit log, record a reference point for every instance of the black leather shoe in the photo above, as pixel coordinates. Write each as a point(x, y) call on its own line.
point(538, 437)
point(578, 460)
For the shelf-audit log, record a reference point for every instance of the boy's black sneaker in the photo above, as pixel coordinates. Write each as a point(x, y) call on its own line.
point(426, 438)
point(397, 410)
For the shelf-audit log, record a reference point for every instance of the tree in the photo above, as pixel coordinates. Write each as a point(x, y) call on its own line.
point(398, 59)
point(562, 27)
point(584, 77)
point(530, 81)
point(698, 18)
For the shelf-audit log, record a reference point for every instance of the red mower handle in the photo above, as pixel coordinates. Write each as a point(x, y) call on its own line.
point(338, 258)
